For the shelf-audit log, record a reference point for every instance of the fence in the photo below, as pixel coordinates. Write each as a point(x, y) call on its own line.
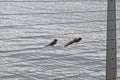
point(27, 26)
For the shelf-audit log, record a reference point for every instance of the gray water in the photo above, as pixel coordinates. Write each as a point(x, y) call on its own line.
point(26, 27)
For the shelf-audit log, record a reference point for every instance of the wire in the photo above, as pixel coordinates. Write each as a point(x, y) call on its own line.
point(22, 50)
point(22, 74)
point(82, 32)
point(92, 21)
point(55, 12)
point(77, 75)
point(38, 58)
point(52, 1)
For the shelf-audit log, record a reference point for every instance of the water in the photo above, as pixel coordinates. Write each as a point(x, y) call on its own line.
point(26, 27)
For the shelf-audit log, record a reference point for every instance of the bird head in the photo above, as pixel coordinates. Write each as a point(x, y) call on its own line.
point(55, 40)
point(80, 38)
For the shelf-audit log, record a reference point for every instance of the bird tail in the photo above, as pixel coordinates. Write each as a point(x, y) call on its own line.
point(65, 45)
point(46, 45)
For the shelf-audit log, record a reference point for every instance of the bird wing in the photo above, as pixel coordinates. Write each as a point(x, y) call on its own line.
point(69, 43)
point(50, 44)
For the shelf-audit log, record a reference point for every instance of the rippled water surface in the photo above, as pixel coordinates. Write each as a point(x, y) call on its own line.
point(26, 27)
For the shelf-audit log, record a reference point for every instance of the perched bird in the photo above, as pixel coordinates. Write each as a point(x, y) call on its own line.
point(73, 41)
point(52, 43)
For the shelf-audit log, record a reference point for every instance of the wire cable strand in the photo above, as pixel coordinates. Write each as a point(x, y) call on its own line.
point(82, 32)
point(92, 21)
point(47, 58)
point(50, 0)
point(34, 37)
point(39, 13)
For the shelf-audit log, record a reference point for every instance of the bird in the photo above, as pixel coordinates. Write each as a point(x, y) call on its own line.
point(73, 41)
point(52, 43)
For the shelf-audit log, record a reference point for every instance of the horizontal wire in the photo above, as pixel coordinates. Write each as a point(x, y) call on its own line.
point(91, 71)
point(55, 23)
point(53, 12)
point(81, 32)
point(38, 58)
point(26, 75)
point(50, 35)
point(59, 78)
point(15, 74)
point(77, 75)
point(92, 21)
point(51, 1)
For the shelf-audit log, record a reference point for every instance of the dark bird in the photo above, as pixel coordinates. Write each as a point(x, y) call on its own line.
point(52, 43)
point(73, 41)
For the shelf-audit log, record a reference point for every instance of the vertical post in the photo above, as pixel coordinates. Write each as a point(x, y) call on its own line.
point(111, 56)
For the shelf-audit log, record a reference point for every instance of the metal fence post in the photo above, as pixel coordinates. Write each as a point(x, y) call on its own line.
point(111, 56)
